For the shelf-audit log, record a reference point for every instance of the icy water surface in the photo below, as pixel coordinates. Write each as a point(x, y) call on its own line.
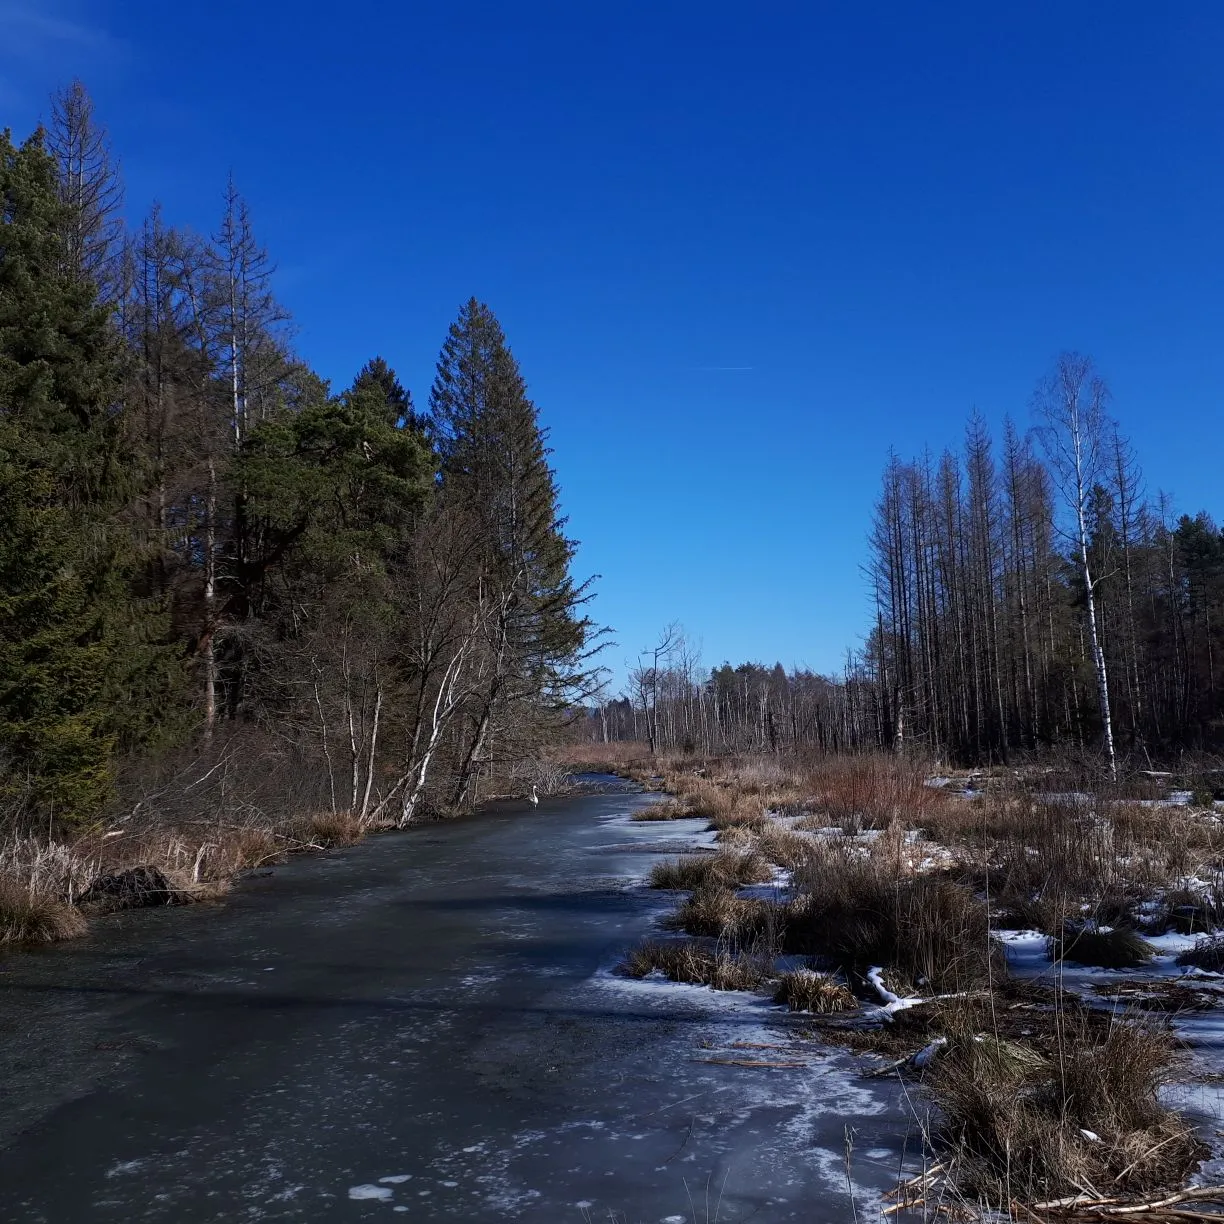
point(423, 1027)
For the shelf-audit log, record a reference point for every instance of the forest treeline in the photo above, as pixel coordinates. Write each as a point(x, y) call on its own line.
point(207, 551)
point(1028, 596)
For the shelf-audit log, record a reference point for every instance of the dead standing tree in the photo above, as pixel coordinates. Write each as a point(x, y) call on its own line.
point(646, 677)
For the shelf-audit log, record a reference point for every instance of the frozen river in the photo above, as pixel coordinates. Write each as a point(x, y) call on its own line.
point(423, 1027)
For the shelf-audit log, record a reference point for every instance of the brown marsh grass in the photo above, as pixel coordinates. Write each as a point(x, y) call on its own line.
point(725, 868)
point(870, 792)
point(35, 917)
point(667, 809)
point(719, 913)
point(818, 993)
point(682, 961)
point(1019, 1092)
point(1023, 1126)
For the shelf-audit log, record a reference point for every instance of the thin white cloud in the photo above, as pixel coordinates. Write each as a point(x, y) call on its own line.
point(34, 29)
point(43, 44)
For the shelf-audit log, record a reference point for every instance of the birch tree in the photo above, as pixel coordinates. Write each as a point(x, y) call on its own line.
point(1070, 404)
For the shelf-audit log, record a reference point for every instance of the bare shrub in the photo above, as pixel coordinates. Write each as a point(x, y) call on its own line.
point(726, 868)
point(872, 791)
point(806, 990)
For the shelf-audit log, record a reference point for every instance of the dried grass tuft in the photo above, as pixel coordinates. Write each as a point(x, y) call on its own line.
point(668, 809)
point(806, 990)
point(1033, 1128)
point(329, 829)
point(686, 962)
point(1120, 948)
point(1207, 954)
point(784, 847)
point(856, 910)
point(719, 913)
point(727, 868)
point(27, 917)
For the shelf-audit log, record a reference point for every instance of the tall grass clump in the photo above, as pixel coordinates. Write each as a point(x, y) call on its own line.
point(667, 809)
point(858, 912)
point(1025, 1126)
point(727, 868)
point(719, 913)
point(818, 993)
point(27, 916)
point(687, 962)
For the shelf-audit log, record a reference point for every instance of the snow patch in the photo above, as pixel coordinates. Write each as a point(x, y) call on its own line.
point(379, 1194)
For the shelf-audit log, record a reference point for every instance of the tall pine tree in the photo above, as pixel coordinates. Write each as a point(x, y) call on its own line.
point(81, 672)
point(494, 461)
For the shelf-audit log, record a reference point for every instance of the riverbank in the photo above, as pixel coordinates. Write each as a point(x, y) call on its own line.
point(185, 838)
point(1042, 962)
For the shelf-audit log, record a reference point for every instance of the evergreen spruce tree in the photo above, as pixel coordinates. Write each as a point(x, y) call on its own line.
point(494, 463)
point(81, 673)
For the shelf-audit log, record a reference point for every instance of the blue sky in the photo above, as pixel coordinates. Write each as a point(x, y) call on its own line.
point(740, 250)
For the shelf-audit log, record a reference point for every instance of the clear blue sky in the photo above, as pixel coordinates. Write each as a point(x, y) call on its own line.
point(740, 250)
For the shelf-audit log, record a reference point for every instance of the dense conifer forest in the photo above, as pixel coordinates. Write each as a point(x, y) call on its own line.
point(219, 575)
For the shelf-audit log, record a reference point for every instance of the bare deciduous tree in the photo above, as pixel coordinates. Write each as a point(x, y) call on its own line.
point(1074, 432)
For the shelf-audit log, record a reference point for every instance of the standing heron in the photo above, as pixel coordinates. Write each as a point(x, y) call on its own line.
point(534, 799)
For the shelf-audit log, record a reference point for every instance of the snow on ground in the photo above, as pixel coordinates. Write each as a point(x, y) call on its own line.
point(825, 1084)
point(1200, 1097)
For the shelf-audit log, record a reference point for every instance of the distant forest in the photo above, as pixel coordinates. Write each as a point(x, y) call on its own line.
point(1027, 597)
point(210, 556)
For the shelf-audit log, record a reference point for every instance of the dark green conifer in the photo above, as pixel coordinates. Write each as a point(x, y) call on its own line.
point(494, 463)
point(80, 671)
